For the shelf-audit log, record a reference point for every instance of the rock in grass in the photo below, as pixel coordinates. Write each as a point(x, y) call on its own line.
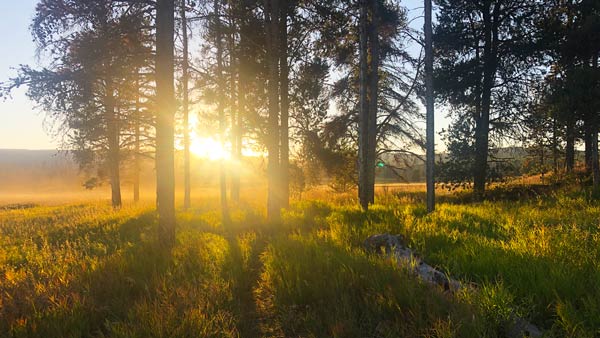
point(519, 327)
point(387, 242)
point(394, 246)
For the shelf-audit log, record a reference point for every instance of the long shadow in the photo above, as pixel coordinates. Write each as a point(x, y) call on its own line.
point(245, 268)
point(107, 291)
point(538, 283)
point(102, 232)
point(247, 237)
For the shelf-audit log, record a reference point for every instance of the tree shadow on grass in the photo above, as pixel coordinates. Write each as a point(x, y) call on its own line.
point(107, 283)
point(315, 288)
point(536, 285)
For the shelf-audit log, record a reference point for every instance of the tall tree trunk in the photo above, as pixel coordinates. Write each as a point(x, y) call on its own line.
point(137, 155)
point(570, 147)
point(221, 108)
point(588, 139)
point(273, 189)
point(429, 102)
point(165, 99)
point(373, 97)
point(363, 120)
point(542, 158)
point(236, 149)
point(594, 160)
point(594, 157)
point(112, 121)
point(285, 104)
point(555, 142)
point(482, 127)
point(185, 107)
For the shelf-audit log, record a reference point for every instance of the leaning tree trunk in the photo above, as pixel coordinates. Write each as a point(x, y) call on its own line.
point(165, 99)
point(363, 120)
point(112, 131)
point(185, 108)
point(429, 102)
point(273, 189)
point(221, 108)
point(284, 160)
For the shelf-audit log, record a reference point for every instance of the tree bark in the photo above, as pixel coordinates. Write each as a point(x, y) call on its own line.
point(185, 108)
point(373, 97)
point(284, 161)
point(363, 119)
point(234, 104)
point(594, 156)
point(429, 102)
point(273, 189)
point(555, 143)
point(594, 160)
point(570, 147)
point(482, 127)
point(137, 155)
point(588, 139)
point(112, 129)
point(165, 99)
point(221, 108)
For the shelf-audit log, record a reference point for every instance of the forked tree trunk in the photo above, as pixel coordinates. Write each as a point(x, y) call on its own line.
point(112, 125)
point(165, 99)
point(429, 102)
point(482, 128)
point(185, 108)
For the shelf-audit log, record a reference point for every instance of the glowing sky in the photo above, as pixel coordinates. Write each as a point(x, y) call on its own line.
point(21, 125)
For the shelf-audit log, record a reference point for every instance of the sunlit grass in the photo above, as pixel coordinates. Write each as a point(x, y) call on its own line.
point(87, 270)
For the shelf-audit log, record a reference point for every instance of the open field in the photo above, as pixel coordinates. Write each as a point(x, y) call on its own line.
point(85, 270)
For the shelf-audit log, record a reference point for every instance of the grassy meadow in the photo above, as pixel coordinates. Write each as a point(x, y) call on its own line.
point(84, 270)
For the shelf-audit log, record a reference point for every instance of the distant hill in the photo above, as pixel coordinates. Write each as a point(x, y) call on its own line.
point(26, 157)
point(403, 167)
point(41, 171)
point(36, 169)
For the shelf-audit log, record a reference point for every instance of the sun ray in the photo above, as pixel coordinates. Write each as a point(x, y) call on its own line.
point(209, 148)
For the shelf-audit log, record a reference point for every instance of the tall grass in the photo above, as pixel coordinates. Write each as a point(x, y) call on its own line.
point(542, 254)
point(86, 270)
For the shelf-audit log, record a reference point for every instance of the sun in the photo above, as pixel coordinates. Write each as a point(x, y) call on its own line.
point(207, 147)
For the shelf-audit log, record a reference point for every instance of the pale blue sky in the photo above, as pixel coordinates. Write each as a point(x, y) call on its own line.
point(21, 124)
